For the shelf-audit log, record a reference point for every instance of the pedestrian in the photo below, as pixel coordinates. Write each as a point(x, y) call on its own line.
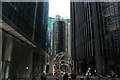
point(43, 76)
point(99, 77)
point(57, 76)
point(73, 76)
point(108, 77)
point(112, 75)
point(88, 78)
point(88, 74)
point(65, 76)
point(116, 77)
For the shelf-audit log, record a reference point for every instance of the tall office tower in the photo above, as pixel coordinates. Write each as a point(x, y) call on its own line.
point(58, 35)
point(67, 33)
point(111, 23)
point(86, 34)
point(95, 36)
point(24, 28)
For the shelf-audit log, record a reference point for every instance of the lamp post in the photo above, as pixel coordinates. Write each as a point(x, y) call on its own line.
point(26, 71)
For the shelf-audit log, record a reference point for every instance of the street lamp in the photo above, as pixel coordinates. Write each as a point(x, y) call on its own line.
point(27, 68)
point(89, 68)
point(26, 71)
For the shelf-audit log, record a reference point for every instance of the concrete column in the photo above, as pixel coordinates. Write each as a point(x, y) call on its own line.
point(0, 53)
point(7, 55)
point(44, 68)
point(0, 42)
point(51, 66)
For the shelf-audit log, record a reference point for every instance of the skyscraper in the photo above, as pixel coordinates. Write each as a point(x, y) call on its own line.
point(58, 36)
point(111, 25)
point(90, 39)
point(50, 32)
point(24, 29)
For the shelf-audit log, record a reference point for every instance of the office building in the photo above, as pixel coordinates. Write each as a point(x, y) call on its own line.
point(94, 36)
point(111, 23)
point(24, 31)
point(58, 35)
point(50, 32)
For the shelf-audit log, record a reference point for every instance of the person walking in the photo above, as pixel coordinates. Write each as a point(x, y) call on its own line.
point(112, 75)
point(88, 78)
point(65, 77)
point(73, 76)
point(57, 76)
point(99, 77)
point(43, 76)
point(88, 74)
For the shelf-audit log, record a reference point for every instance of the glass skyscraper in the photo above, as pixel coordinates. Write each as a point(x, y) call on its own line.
point(95, 36)
point(24, 32)
point(58, 37)
point(110, 12)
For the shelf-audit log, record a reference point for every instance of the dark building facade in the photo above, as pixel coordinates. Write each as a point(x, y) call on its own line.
point(24, 29)
point(111, 23)
point(58, 36)
point(89, 28)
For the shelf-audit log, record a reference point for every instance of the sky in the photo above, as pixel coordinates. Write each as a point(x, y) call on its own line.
point(61, 7)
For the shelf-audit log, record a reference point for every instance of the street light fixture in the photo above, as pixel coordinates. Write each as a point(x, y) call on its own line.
point(27, 68)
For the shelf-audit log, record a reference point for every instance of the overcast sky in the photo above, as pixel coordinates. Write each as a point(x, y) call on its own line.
point(61, 7)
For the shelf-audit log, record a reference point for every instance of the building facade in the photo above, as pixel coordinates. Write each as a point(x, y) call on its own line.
point(58, 36)
point(50, 32)
point(89, 36)
point(111, 22)
point(68, 38)
point(24, 29)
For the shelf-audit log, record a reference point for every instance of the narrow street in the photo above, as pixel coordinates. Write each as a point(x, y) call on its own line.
point(60, 39)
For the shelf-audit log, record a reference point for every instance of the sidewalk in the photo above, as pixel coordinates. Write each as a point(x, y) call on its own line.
point(82, 78)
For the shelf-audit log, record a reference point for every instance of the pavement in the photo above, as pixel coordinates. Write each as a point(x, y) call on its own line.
point(79, 78)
